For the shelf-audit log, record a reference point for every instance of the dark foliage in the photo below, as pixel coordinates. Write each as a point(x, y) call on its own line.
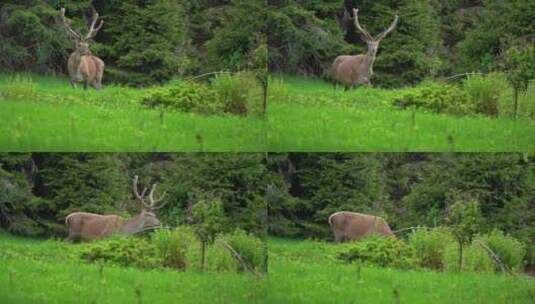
point(38, 190)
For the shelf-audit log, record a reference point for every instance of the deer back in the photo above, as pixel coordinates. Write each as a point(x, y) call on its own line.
point(92, 226)
point(350, 70)
point(358, 225)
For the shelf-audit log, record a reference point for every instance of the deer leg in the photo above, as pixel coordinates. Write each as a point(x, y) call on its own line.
point(98, 83)
point(72, 237)
point(86, 84)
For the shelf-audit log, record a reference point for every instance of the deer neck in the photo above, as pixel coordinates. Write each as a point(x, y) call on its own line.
point(133, 225)
point(370, 59)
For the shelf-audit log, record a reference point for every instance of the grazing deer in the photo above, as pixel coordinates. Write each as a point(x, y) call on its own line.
point(83, 66)
point(90, 226)
point(358, 69)
point(349, 226)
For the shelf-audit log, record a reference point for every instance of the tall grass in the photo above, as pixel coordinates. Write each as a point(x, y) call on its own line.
point(61, 118)
point(305, 272)
point(313, 116)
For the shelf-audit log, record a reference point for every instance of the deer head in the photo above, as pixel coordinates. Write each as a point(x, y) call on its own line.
point(82, 42)
point(372, 42)
point(147, 218)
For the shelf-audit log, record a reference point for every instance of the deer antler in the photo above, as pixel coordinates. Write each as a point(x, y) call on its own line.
point(92, 30)
point(387, 31)
point(153, 201)
point(141, 196)
point(364, 32)
point(75, 35)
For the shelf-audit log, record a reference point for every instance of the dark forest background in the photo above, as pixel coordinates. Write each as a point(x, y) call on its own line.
point(37, 190)
point(153, 40)
point(141, 42)
point(433, 38)
point(408, 189)
point(300, 191)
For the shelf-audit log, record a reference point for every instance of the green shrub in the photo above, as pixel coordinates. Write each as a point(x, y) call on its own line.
point(123, 251)
point(475, 258)
point(238, 93)
point(430, 246)
point(219, 259)
point(186, 97)
point(19, 88)
point(485, 92)
point(175, 247)
point(250, 248)
point(510, 251)
point(379, 251)
point(438, 98)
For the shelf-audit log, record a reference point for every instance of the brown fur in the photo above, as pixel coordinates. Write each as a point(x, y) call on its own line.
point(91, 226)
point(349, 226)
point(352, 70)
point(83, 66)
point(87, 69)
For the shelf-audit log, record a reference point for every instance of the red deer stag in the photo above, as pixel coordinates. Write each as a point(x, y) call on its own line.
point(83, 66)
point(90, 226)
point(349, 226)
point(351, 70)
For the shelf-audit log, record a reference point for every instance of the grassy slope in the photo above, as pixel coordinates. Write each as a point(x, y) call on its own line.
point(302, 272)
point(312, 120)
point(64, 119)
point(33, 271)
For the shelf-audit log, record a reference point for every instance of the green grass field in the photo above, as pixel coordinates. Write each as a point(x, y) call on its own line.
point(49, 115)
point(48, 271)
point(306, 272)
point(38, 271)
point(309, 115)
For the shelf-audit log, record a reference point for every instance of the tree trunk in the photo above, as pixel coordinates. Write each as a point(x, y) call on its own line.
point(203, 254)
point(264, 97)
point(515, 101)
point(460, 254)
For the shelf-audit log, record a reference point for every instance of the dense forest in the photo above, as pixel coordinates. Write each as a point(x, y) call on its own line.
point(141, 42)
point(433, 38)
point(408, 189)
point(38, 190)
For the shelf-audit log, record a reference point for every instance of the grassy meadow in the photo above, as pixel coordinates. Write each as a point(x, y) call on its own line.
point(306, 272)
point(46, 271)
point(309, 115)
point(47, 114)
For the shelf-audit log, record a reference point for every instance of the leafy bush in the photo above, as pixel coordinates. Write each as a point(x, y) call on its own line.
point(238, 94)
point(438, 98)
point(186, 97)
point(485, 92)
point(219, 259)
point(123, 251)
point(430, 246)
point(175, 246)
point(19, 88)
point(380, 251)
point(475, 258)
point(250, 248)
point(510, 251)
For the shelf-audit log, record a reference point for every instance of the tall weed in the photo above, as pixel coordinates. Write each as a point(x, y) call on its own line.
point(19, 88)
